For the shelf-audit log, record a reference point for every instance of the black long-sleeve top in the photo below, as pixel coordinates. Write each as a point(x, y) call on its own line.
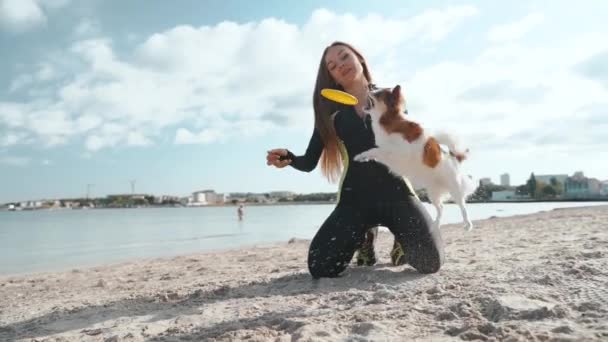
point(362, 181)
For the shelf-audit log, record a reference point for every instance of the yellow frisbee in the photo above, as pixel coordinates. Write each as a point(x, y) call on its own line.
point(339, 96)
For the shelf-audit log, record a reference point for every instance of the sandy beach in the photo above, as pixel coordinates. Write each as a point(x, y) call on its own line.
point(539, 277)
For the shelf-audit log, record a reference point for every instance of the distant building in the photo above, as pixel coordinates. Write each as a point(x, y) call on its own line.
point(263, 198)
point(206, 197)
point(505, 195)
point(604, 188)
point(30, 205)
point(219, 199)
point(131, 196)
point(236, 197)
point(163, 199)
point(485, 181)
point(252, 197)
point(579, 186)
point(282, 194)
point(201, 196)
point(505, 180)
point(547, 178)
point(71, 204)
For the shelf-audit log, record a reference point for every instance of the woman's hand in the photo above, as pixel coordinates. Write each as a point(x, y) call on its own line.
point(273, 158)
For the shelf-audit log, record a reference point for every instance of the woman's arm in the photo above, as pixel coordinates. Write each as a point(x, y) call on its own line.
point(310, 159)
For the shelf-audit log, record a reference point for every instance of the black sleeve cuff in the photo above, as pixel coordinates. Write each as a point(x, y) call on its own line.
point(289, 156)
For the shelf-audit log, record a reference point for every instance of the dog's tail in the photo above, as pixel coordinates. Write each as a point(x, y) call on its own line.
point(453, 145)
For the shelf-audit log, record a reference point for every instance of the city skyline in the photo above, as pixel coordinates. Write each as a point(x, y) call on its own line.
point(545, 178)
point(96, 94)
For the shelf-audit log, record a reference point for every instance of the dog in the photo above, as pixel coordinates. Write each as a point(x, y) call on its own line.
point(408, 151)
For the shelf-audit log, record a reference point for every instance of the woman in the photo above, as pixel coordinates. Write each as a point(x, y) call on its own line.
point(369, 195)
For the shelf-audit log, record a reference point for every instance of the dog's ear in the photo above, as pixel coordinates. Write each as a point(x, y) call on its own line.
point(396, 92)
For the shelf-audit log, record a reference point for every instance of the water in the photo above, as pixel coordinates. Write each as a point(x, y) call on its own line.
point(50, 240)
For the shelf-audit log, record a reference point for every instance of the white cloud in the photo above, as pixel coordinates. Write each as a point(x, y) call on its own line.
point(87, 27)
point(20, 82)
point(516, 29)
point(20, 15)
point(10, 139)
point(205, 84)
point(46, 72)
point(520, 93)
point(184, 136)
point(12, 114)
point(135, 138)
point(215, 82)
point(436, 24)
point(95, 143)
point(52, 124)
point(88, 122)
point(596, 67)
point(109, 134)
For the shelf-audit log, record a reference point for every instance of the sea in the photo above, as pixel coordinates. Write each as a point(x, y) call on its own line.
point(63, 239)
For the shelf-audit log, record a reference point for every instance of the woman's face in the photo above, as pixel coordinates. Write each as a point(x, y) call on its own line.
point(343, 65)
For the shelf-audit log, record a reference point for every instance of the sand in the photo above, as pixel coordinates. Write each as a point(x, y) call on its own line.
point(524, 278)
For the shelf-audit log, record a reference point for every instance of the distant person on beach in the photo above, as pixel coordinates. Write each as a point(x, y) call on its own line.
point(240, 212)
point(369, 196)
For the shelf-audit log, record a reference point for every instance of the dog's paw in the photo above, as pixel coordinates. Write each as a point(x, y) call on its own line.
point(468, 226)
point(361, 157)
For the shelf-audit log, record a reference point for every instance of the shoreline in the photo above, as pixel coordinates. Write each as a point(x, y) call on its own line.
point(534, 276)
point(296, 203)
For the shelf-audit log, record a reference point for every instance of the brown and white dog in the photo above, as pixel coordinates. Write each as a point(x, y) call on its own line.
point(409, 152)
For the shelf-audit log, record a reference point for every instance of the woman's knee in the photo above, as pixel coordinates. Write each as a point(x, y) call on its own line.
point(427, 261)
point(429, 266)
point(325, 265)
point(321, 272)
point(333, 246)
point(319, 269)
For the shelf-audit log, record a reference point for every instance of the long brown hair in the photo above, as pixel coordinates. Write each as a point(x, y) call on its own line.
point(331, 162)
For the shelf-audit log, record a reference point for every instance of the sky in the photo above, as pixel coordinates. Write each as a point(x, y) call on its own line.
point(189, 95)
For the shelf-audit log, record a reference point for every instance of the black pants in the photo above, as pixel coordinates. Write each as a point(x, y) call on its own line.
point(332, 248)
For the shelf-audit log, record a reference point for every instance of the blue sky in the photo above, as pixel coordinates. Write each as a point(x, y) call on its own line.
point(191, 96)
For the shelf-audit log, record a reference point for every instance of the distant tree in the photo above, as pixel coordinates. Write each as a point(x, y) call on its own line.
point(170, 202)
point(549, 191)
point(484, 192)
point(314, 197)
point(103, 202)
point(539, 189)
point(531, 183)
point(559, 187)
point(522, 190)
point(139, 201)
